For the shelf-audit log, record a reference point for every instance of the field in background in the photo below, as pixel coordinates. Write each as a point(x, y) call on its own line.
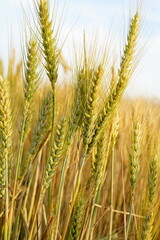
point(77, 161)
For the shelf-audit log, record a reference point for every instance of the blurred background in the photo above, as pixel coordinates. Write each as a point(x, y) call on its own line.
point(106, 20)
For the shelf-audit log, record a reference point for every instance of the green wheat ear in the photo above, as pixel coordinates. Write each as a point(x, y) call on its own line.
point(135, 154)
point(78, 104)
point(98, 162)
point(41, 131)
point(134, 165)
point(124, 75)
point(56, 153)
point(152, 179)
point(77, 219)
point(6, 131)
point(30, 85)
point(152, 185)
point(43, 125)
point(94, 82)
point(48, 42)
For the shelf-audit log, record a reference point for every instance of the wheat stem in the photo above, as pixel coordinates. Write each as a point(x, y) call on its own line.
point(111, 194)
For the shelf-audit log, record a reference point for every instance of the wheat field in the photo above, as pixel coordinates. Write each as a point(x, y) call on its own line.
point(77, 161)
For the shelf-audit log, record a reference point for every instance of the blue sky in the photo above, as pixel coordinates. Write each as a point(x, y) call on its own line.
point(102, 15)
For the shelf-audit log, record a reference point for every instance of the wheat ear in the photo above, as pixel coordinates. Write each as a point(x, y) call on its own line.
point(48, 41)
point(78, 104)
point(134, 164)
point(152, 184)
point(134, 156)
point(41, 130)
point(152, 179)
point(97, 163)
point(57, 149)
point(6, 146)
point(30, 85)
point(43, 125)
point(56, 153)
point(124, 75)
point(77, 219)
point(6, 131)
point(90, 103)
point(51, 55)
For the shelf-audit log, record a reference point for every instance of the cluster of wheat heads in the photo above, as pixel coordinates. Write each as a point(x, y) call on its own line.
point(85, 171)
